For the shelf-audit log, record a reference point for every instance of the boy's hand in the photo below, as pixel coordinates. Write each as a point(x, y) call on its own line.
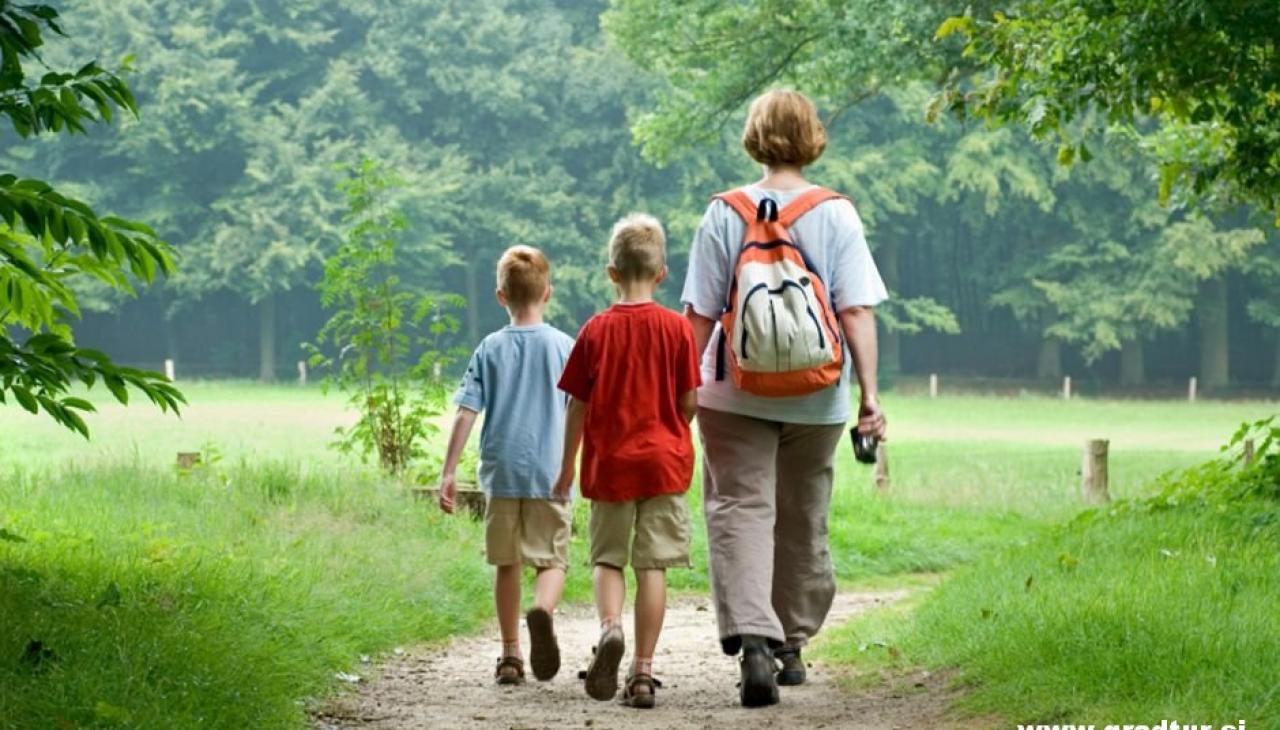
point(448, 492)
point(564, 485)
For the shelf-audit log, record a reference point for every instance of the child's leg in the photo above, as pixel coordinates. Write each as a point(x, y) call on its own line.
point(506, 593)
point(547, 588)
point(611, 591)
point(651, 609)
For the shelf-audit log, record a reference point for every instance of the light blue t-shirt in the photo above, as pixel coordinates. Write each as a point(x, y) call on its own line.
point(831, 237)
point(512, 379)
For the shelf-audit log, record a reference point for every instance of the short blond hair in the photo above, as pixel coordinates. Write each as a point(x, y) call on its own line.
point(783, 128)
point(638, 247)
point(523, 275)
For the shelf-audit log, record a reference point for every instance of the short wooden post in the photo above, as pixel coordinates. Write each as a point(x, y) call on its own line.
point(302, 372)
point(168, 369)
point(933, 385)
point(1248, 455)
point(1066, 387)
point(1191, 389)
point(1094, 472)
point(882, 468)
point(188, 459)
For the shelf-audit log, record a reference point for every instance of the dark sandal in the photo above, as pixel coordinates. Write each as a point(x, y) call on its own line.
point(601, 677)
point(642, 700)
point(510, 671)
point(544, 651)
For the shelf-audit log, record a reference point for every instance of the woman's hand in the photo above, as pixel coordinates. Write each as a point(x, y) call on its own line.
point(871, 418)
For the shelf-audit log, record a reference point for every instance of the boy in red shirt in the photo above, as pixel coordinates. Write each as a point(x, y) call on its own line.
point(633, 376)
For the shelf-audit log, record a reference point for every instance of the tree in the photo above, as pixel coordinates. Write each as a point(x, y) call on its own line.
point(49, 240)
point(1209, 70)
point(375, 316)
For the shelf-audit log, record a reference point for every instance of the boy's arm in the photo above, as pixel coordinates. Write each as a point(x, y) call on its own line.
point(689, 404)
point(574, 421)
point(462, 424)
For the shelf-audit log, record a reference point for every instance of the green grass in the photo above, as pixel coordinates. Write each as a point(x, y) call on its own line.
point(231, 596)
point(1133, 614)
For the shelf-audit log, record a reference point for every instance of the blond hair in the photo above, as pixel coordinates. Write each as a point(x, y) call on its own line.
point(783, 128)
point(638, 247)
point(523, 275)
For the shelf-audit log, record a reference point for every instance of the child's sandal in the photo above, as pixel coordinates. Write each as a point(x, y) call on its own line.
point(641, 691)
point(510, 670)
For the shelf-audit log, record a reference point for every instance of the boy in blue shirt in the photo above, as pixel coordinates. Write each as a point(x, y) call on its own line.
point(512, 378)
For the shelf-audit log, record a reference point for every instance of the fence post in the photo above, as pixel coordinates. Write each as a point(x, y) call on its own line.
point(168, 369)
point(1191, 389)
point(933, 385)
point(882, 468)
point(1094, 472)
point(1248, 452)
point(1066, 387)
point(302, 372)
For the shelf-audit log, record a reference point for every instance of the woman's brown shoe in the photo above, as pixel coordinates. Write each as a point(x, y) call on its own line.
point(510, 670)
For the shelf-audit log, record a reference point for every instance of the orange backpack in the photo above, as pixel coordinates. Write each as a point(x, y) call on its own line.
point(779, 334)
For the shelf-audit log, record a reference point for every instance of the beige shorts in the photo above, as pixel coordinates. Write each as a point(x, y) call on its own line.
point(653, 533)
point(527, 532)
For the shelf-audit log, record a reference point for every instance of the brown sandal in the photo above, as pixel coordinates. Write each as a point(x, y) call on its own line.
point(641, 691)
point(510, 670)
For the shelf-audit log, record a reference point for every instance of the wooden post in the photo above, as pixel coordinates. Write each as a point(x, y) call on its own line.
point(1191, 389)
point(933, 385)
point(302, 372)
point(1066, 387)
point(882, 468)
point(1249, 454)
point(1094, 472)
point(168, 369)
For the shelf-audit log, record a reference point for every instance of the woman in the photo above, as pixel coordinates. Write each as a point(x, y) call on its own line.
point(767, 461)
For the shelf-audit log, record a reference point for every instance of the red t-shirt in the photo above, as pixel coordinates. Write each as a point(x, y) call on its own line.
point(630, 365)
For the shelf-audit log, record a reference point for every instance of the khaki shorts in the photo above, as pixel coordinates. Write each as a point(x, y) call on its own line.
point(653, 532)
point(527, 532)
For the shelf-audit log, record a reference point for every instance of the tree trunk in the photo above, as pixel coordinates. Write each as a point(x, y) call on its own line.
point(1214, 362)
point(891, 343)
point(1133, 367)
point(1049, 365)
point(267, 338)
point(473, 303)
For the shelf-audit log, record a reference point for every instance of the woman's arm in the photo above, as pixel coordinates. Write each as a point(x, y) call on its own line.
point(859, 325)
point(702, 329)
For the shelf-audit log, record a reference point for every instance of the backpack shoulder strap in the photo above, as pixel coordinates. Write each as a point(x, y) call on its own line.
point(740, 202)
point(806, 202)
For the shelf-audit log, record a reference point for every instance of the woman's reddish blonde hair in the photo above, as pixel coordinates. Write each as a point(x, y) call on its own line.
point(783, 128)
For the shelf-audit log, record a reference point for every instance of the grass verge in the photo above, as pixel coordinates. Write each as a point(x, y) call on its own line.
point(1163, 608)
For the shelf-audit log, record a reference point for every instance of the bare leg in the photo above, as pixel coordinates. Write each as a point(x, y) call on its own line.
point(651, 609)
point(547, 588)
point(506, 592)
point(611, 591)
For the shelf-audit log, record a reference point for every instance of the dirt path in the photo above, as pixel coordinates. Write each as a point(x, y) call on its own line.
point(452, 687)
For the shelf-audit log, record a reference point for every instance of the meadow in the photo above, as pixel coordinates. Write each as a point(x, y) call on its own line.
point(135, 594)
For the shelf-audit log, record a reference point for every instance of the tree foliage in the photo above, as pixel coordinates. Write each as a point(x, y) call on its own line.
point(49, 241)
point(1209, 70)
